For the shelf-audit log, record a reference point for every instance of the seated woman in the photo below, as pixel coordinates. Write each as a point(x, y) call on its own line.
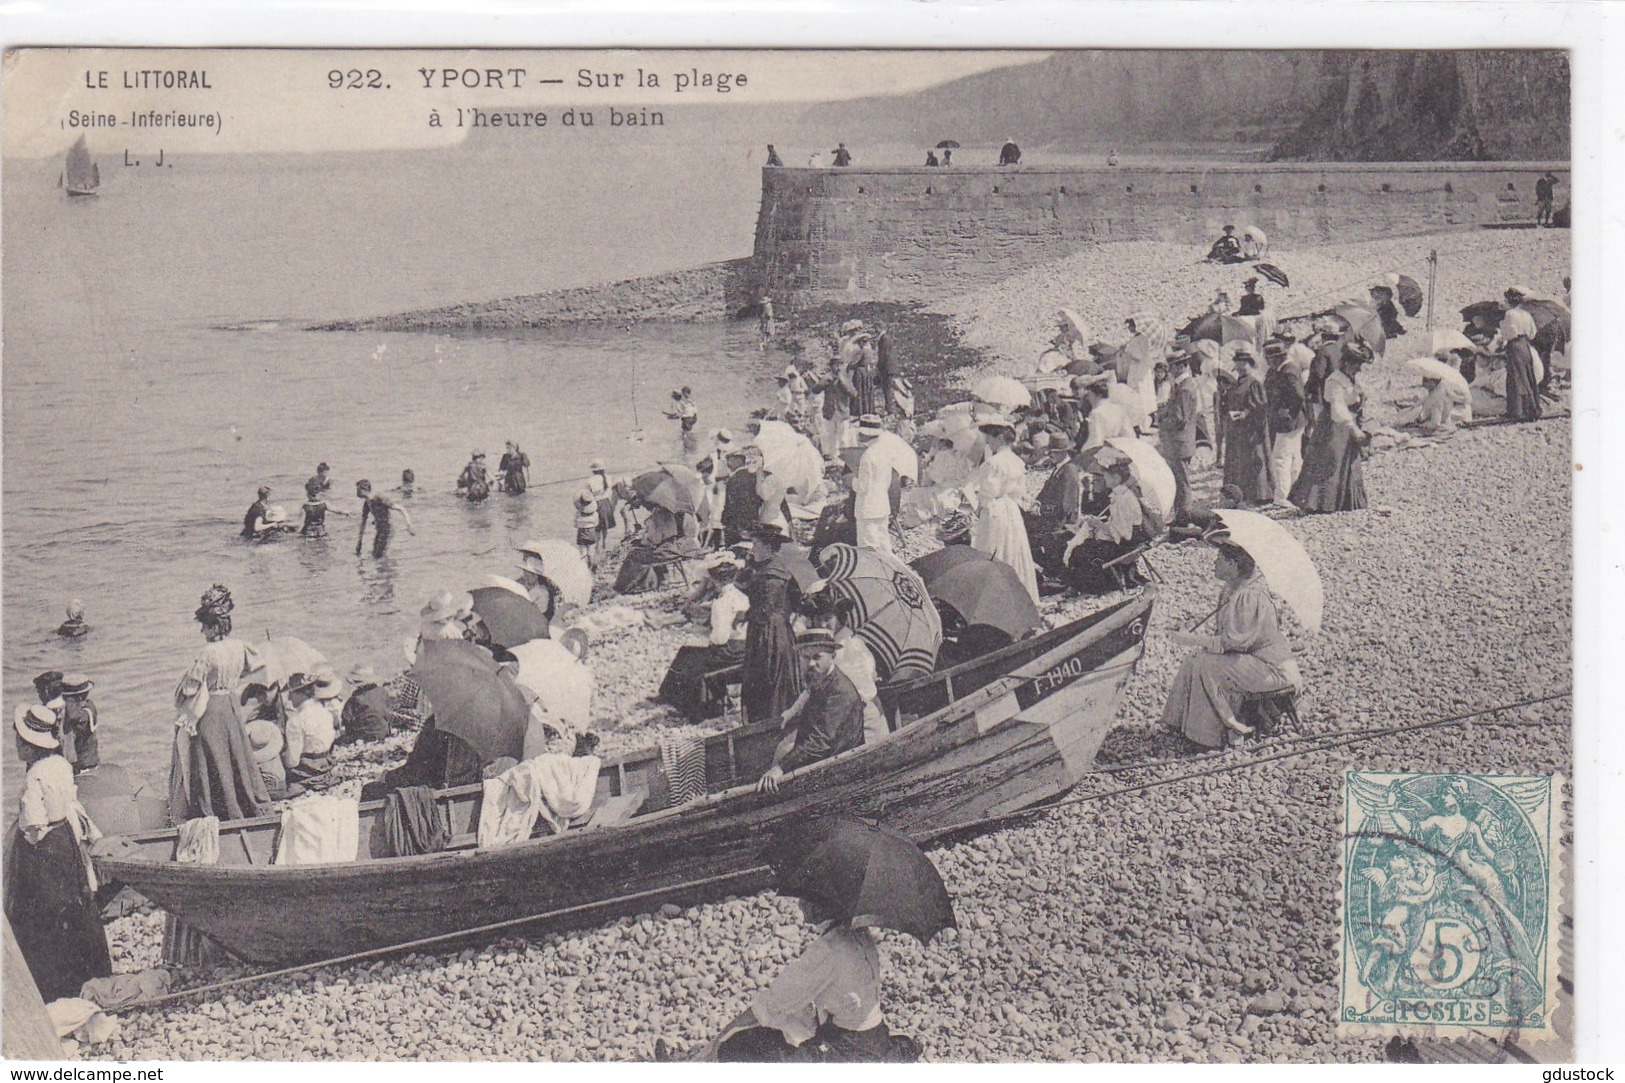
point(438, 760)
point(685, 685)
point(659, 540)
point(1441, 409)
point(308, 734)
point(1102, 539)
point(823, 1007)
point(50, 892)
point(1246, 655)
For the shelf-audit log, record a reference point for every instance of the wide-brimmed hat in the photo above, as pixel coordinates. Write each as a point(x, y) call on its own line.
point(328, 685)
point(1516, 291)
point(478, 454)
point(1060, 441)
point(264, 740)
point(77, 684)
point(721, 559)
point(767, 532)
point(850, 326)
point(36, 724)
point(363, 674)
point(869, 425)
point(447, 606)
point(1274, 350)
point(722, 438)
point(532, 563)
point(596, 466)
point(817, 640)
point(997, 425)
point(1251, 281)
point(299, 682)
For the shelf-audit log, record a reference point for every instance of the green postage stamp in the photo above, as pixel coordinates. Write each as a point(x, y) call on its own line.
point(1450, 905)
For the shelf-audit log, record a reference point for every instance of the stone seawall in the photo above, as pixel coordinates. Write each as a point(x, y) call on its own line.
point(696, 295)
point(916, 233)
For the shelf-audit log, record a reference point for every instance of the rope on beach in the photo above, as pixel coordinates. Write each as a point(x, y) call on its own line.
point(1240, 765)
point(1314, 744)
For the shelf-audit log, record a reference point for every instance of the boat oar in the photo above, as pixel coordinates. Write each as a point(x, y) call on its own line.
point(441, 938)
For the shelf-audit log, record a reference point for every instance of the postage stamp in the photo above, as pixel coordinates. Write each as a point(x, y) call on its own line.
point(1451, 889)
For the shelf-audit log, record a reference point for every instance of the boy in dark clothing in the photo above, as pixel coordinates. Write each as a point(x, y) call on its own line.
point(79, 723)
point(366, 713)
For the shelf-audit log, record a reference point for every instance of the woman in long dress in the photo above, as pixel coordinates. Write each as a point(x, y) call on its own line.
point(1246, 655)
point(1515, 336)
point(772, 676)
point(1247, 434)
point(212, 771)
point(50, 890)
point(1331, 478)
point(998, 484)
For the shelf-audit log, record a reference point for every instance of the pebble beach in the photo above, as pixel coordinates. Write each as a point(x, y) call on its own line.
point(1193, 919)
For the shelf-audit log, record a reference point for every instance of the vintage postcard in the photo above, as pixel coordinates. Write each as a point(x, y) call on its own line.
point(789, 555)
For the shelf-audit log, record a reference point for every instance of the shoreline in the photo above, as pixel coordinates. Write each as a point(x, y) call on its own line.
point(1114, 904)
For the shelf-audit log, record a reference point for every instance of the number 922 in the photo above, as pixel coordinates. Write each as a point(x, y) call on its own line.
point(356, 79)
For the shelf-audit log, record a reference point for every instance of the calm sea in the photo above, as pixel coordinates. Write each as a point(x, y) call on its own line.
point(135, 431)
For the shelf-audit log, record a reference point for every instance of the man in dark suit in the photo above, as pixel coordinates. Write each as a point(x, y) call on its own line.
point(1283, 392)
point(828, 715)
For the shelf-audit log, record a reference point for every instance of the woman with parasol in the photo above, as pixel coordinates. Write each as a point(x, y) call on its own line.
point(825, 1005)
point(1246, 654)
point(1331, 478)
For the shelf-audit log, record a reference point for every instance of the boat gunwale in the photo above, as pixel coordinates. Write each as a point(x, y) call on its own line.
point(1130, 609)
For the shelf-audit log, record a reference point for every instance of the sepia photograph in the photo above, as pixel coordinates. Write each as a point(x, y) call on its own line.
point(790, 555)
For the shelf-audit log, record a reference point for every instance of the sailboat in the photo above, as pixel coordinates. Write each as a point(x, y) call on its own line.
point(81, 177)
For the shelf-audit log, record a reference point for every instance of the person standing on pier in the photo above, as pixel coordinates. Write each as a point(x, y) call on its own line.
point(380, 510)
point(773, 160)
point(841, 155)
point(1009, 154)
point(1543, 198)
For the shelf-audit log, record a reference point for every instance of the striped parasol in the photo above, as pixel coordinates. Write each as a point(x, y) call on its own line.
point(894, 613)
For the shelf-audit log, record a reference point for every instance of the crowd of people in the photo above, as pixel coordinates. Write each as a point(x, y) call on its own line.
point(1278, 406)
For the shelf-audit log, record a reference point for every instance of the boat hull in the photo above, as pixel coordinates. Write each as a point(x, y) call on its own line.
point(1021, 740)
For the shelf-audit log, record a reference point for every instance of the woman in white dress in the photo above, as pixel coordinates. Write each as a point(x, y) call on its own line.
point(998, 485)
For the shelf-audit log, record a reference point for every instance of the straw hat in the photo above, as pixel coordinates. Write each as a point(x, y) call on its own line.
point(265, 740)
point(363, 674)
point(299, 682)
point(36, 724)
point(328, 685)
point(869, 425)
point(446, 606)
point(818, 640)
point(77, 684)
point(850, 326)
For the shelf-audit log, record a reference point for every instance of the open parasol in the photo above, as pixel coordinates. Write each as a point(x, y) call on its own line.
point(472, 698)
point(862, 874)
point(120, 803)
point(280, 657)
point(564, 567)
point(1282, 560)
point(1219, 328)
point(1433, 369)
point(1273, 274)
point(948, 144)
point(893, 610)
point(510, 618)
point(661, 489)
point(1151, 470)
point(1364, 325)
point(1001, 391)
point(981, 589)
point(1483, 315)
point(1445, 338)
point(790, 457)
point(561, 682)
point(1408, 294)
point(1079, 326)
point(796, 560)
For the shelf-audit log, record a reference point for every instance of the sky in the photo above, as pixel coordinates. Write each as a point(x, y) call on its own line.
point(278, 101)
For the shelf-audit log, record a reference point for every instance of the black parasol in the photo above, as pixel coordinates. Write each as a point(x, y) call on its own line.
point(863, 874)
point(1274, 274)
point(948, 144)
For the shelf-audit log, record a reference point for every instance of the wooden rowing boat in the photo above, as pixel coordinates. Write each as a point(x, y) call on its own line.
point(994, 735)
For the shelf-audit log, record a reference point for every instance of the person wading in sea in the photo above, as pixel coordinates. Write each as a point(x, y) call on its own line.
point(379, 509)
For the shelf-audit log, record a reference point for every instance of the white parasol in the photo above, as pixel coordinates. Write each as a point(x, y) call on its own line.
point(1079, 326)
point(1151, 470)
point(560, 681)
point(1282, 559)
point(1446, 338)
point(1433, 369)
point(563, 566)
point(790, 457)
point(1001, 391)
